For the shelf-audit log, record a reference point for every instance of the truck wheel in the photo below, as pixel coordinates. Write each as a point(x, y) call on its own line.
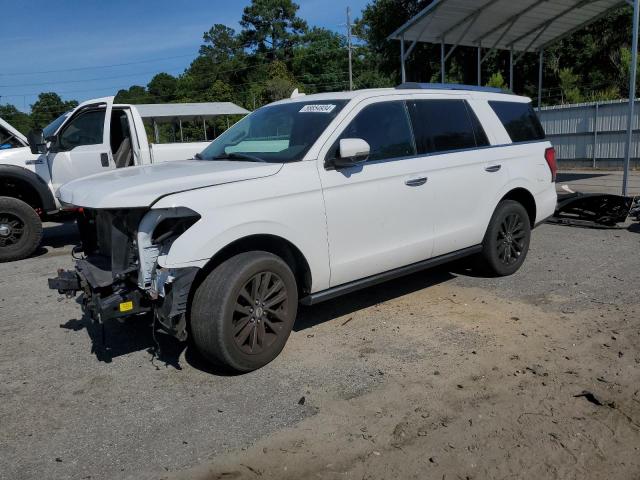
point(20, 229)
point(506, 242)
point(243, 312)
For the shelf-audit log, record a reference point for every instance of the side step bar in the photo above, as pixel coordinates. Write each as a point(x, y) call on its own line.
point(391, 274)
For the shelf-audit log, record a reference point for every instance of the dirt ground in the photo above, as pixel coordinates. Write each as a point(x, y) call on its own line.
point(438, 375)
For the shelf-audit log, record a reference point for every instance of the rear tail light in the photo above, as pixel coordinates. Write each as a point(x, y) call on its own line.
point(550, 157)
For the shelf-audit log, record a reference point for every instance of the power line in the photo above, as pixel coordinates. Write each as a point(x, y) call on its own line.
point(60, 82)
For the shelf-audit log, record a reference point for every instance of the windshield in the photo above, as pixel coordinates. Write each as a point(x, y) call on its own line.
point(53, 126)
point(276, 133)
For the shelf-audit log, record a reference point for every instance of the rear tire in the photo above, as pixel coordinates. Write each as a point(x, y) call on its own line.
point(243, 312)
point(506, 241)
point(20, 229)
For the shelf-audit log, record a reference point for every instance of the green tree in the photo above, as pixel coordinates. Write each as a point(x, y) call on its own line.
point(48, 107)
point(134, 94)
point(272, 26)
point(19, 120)
point(220, 43)
point(219, 91)
point(280, 83)
point(162, 87)
point(497, 81)
point(320, 61)
point(569, 86)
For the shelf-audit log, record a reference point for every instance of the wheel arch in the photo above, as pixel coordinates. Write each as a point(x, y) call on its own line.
point(526, 199)
point(23, 184)
point(274, 244)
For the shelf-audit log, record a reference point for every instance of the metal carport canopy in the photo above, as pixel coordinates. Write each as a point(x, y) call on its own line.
point(521, 25)
point(515, 25)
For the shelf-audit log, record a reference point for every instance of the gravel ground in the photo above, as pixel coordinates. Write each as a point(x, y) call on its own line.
point(598, 181)
point(440, 372)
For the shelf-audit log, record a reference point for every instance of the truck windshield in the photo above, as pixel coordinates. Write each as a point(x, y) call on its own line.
point(53, 126)
point(277, 133)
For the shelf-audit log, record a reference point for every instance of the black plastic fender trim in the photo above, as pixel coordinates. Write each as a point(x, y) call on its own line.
point(38, 184)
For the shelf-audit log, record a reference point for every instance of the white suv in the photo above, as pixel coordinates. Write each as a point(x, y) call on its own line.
point(307, 199)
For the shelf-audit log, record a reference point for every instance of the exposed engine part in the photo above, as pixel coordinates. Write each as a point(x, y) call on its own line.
point(150, 242)
point(592, 210)
point(119, 275)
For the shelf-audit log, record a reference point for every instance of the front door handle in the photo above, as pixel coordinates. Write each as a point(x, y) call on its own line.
point(493, 168)
point(104, 159)
point(416, 182)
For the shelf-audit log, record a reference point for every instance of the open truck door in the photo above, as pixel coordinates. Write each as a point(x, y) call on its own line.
point(81, 146)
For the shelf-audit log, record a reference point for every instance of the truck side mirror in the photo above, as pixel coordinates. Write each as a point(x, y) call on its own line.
point(352, 151)
point(37, 143)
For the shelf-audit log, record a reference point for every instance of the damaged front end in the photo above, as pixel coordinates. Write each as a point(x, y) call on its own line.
point(118, 272)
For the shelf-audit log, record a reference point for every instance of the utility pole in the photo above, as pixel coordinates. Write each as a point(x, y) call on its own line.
point(350, 46)
point(632, 97)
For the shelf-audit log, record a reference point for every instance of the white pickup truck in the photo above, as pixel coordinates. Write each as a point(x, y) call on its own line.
point(95, 137)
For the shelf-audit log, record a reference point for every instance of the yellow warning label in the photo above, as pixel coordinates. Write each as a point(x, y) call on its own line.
point(126, 306)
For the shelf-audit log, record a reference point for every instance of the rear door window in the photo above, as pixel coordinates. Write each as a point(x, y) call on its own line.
point(385, 127)
point(445, 125)
point(520, 121)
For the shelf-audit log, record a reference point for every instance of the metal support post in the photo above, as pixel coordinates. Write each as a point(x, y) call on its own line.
point(540, 72)
point(632, 96)
point(156, 133)
point(595, 135)
point(443, 72)
point(403, 71)
point(511, 69)
point(479, 66)
point(350, 46)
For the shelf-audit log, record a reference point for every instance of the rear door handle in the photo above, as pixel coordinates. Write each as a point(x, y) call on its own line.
point(493, 168)
point(416, 182)
point(104, 159)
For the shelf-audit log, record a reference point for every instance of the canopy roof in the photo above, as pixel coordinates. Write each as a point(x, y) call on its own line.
point(188, 111)
point(524, 25)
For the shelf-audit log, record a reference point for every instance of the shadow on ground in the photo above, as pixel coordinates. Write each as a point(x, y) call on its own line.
point(573, 177)
point(117, 338)
point(60, 235)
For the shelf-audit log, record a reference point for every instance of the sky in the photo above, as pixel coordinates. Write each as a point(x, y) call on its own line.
point(85, 49)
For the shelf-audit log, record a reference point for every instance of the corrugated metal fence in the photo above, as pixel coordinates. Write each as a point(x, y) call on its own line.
point(591, 134)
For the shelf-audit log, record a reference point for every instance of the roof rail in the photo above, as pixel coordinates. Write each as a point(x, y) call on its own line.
point(446, 86)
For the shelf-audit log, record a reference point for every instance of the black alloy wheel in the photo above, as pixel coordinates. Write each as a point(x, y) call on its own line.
point(260, 313)
point(20, 229)
point(511, 239)
point(506, 241)
point(243, 311)
point(11, 229)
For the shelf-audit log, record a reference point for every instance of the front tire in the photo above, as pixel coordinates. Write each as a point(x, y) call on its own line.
point(20, 229)
point(243, 312)
point(507, 239)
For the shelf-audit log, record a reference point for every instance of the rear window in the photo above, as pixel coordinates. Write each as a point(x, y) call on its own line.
point(445, 125)
point(520, 121)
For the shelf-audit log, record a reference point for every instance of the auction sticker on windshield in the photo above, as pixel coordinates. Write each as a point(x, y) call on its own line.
point(317, 108)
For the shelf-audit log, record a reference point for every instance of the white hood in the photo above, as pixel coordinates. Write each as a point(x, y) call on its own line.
point(142, 186)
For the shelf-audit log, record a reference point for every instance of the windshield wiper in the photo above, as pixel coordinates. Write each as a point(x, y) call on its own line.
point(240, 156)
point(197, 156)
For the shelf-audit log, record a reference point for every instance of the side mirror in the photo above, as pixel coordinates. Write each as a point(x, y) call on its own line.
point(37, 143)
point(353, 151)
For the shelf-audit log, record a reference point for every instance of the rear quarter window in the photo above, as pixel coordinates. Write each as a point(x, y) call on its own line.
point(520, 121)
